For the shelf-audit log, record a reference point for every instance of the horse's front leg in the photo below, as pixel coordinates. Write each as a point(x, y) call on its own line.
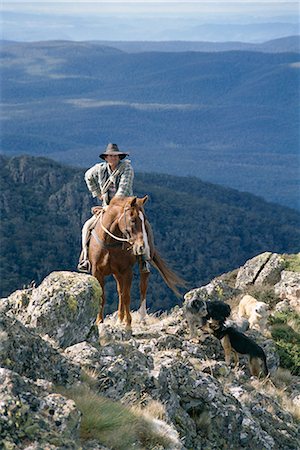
point(124, 281)
point(144, 278)
point(121, 309)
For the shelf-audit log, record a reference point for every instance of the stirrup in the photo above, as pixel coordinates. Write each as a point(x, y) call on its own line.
point(84, 266)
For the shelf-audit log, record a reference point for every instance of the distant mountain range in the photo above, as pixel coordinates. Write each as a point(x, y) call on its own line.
point(228, 117)
point(284, 44)
point(201, 229)
point(58, 22)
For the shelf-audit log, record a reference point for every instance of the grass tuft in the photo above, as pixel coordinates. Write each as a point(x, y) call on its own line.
point(277, 387)
point(113, 424)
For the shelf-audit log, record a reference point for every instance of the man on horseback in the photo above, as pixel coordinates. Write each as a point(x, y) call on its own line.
point(112, 178)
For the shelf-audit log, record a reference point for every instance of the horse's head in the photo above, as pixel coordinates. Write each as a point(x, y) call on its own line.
point(132, 224)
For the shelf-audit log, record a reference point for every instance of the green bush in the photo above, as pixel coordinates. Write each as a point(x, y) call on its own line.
point(292, 262)
point(284, 331)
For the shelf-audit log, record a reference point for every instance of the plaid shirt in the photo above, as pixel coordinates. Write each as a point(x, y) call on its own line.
point(121, 179)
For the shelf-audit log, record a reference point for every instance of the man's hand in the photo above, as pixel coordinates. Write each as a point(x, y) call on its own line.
point(100, 197)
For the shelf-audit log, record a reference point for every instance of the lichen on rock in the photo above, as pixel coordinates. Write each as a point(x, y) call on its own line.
point(64, 307)
point(46, 340)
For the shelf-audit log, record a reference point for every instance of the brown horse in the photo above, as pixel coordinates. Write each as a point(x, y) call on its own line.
point(117, 240)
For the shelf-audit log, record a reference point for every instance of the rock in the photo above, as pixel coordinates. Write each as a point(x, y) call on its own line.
point(270, 350)
point(288, 288)
point(116, 368)
point(64, 307)
point(28, 354)
point(30, 415)
point(283, 306)
point(270, 273)
point(195, 402)
point(264, 425)
point(240, 324)
point(18, 301)
point(262, 269)
point(216, 290)
point(248, 273)
point(206, 404)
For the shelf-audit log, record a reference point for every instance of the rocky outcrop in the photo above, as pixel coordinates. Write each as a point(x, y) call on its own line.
point(46, 340)
point(63, 307)
point(263, 269)
point(288, 289)
point(216, 290)
point(29, 355)
point(33, 418)
point(270, 272)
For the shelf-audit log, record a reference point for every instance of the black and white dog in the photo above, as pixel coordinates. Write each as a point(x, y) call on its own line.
point(200, 313)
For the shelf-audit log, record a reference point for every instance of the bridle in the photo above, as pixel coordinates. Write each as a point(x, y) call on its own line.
point(125, 232)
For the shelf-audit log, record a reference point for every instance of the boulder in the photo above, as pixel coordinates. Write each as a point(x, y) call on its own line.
point(270, 273)
point(117, 368)
point(199, 400)
point(288, 288)
point(33, 417)
point(262, 269)
point(64, 307)
point(217, 290)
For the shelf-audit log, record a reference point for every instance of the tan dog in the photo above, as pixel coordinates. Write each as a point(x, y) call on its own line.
point(256, 312)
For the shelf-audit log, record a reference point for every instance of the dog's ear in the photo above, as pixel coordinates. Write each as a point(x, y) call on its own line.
point(199, 306)
point(195, 304)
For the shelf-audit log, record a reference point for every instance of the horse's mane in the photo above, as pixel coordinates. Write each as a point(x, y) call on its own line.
point(120, 201)
point(115, 208)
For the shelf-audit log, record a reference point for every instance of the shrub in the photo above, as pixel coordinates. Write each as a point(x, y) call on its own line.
point(292, 262)
point(285, 332)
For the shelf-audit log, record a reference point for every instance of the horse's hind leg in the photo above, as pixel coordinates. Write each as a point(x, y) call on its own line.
point(124, 285)
point(144, 278)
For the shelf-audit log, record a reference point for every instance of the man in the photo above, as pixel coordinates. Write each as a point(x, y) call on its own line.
point(112, 178)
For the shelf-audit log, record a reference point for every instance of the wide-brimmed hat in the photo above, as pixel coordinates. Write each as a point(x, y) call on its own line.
point(113, 149)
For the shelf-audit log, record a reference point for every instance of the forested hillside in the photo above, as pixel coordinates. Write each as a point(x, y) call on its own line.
point(201, 229)
point(226, 117)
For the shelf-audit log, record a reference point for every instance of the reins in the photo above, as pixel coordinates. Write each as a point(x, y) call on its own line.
point(110, 234)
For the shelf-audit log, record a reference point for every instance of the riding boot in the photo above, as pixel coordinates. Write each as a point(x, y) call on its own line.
point(84, 264)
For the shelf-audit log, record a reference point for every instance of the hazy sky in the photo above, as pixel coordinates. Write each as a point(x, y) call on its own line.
point(136, 20)
point(268, 7)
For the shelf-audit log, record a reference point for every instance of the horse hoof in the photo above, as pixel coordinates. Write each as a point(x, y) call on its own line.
point(119, 323)
point(102, 330)
point(142, 311)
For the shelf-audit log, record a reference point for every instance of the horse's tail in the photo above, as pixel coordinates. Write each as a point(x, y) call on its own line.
point(171, 278)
